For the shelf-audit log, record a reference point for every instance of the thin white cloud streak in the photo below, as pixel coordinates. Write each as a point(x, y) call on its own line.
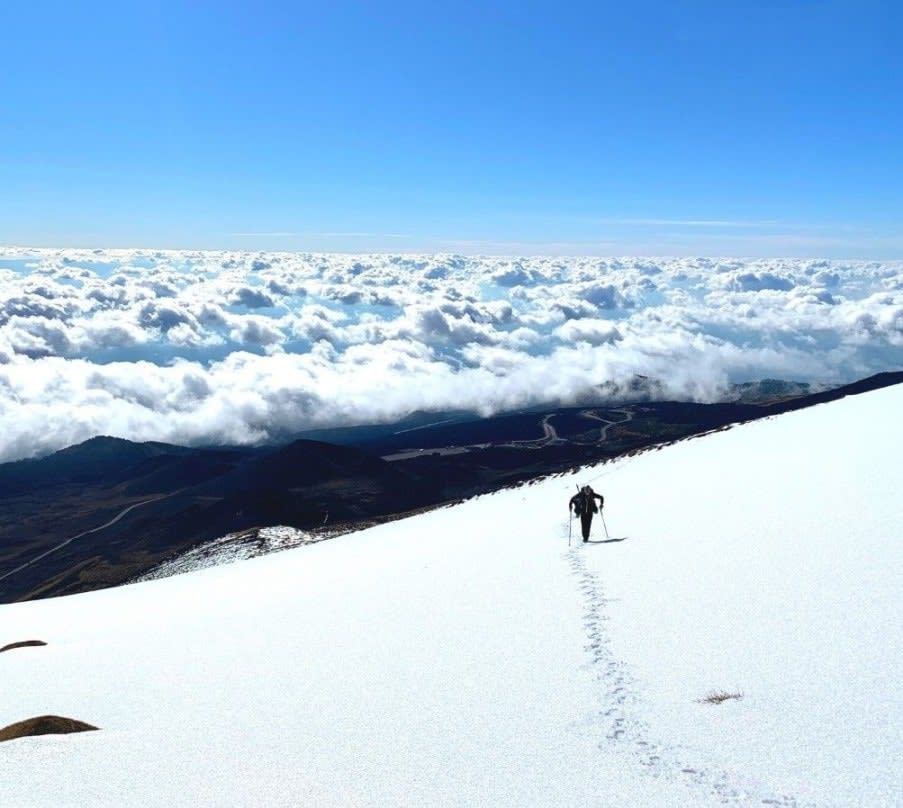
point(241, 347)
point(485, 247)
point(266, 234)
point(323, 234)
point(740, 223)
point(340, 234)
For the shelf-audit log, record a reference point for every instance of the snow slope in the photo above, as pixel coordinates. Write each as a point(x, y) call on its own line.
point(468, 656)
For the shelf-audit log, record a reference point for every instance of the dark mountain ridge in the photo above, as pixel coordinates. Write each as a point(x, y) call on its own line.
point(99, 460)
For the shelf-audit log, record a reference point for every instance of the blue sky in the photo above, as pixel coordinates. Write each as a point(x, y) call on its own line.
point(766, 128)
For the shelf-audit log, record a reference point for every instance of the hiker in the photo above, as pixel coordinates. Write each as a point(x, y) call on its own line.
point(583, 504)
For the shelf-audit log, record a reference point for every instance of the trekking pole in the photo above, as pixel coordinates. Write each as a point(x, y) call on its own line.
point(571, 518)
point(603, 522)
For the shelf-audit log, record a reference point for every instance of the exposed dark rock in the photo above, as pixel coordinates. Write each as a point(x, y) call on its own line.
point(22, 644)
point(44, 725)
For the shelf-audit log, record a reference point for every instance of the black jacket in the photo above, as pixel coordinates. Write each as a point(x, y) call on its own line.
point(586, 503)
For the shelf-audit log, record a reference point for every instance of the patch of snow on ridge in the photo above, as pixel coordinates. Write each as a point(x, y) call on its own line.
point(230, 548)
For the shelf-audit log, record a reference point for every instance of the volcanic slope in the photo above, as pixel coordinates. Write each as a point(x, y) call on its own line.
point(736, 641)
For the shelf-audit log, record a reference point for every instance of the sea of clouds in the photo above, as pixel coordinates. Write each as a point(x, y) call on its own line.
point(197, 347)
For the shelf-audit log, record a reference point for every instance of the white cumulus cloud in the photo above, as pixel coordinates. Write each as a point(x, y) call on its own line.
point(226, 346)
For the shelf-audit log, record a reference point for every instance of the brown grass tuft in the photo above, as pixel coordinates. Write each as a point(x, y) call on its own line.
point(43, 725)
point(22, 644)
point(719, 697)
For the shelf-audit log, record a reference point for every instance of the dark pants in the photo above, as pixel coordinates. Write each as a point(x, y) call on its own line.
point(586, 519)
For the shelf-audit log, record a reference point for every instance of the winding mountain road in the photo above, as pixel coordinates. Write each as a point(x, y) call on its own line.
point(603, 433)
point(62, 544)
point(551, 434)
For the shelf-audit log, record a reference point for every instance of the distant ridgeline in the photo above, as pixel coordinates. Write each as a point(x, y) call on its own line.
point(107, 510)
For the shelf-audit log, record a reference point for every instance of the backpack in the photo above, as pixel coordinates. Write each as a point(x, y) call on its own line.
point(584, 503)
point(579, 502)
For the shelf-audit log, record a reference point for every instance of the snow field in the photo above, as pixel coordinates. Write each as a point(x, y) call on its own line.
point(467, 656)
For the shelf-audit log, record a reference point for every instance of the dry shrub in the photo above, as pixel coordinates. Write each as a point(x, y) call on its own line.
point(720, 696)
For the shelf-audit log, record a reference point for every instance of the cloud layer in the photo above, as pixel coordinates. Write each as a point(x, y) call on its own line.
point(236, 347)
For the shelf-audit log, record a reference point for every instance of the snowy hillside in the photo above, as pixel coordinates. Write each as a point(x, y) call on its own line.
point(469, 656)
